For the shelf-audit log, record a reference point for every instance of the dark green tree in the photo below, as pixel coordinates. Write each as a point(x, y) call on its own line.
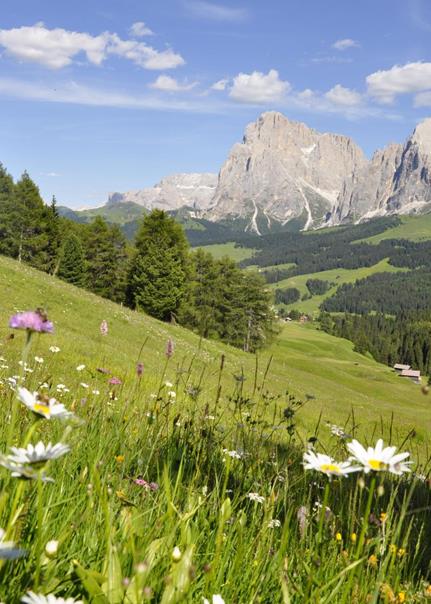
point(106, 260)
point(199, 311)
point(71, 267)
point(30, 224)
point(158, 276)
point(9, 215)
point(51, 226)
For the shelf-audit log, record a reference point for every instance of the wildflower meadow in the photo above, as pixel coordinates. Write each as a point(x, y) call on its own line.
point(156, 488)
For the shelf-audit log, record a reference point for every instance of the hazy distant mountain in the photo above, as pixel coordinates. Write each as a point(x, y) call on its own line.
point(173, 192)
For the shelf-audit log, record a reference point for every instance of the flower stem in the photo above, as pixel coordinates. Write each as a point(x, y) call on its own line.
point(39, 544)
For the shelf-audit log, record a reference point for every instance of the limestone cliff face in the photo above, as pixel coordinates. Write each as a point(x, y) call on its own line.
point(173, 192)
point(284, 170)
point(396, 181)
point(366, 194)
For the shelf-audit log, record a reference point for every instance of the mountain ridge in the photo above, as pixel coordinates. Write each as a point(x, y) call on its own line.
point(285, 174)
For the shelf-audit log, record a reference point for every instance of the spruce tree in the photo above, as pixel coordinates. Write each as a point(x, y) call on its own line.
point(32, 236)
point(159, 272)
point(71, 267)
point(51, 219)
point(106, 258)
point(9, 216)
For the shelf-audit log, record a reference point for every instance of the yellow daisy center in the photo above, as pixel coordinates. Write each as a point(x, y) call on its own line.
point(376, 464)
point(42, 408)
point(330, 467)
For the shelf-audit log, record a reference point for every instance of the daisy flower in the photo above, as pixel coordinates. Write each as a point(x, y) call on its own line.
point(379, 458)
point(47, 408)
point(326, 465)
point(8, 551)
point(38, 454)
point(54, 349)
point(256, 497)
point(32, 598)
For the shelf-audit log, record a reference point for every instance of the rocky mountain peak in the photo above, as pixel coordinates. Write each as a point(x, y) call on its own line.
point(173, 192)
point(282, 171)
point(422, 136)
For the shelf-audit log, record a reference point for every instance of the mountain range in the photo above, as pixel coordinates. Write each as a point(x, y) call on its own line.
point(285, 175)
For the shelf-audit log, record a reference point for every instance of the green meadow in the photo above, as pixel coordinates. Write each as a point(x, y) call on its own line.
point(415, 228)
point(335, 276)
point(219, 250)
point(184, 482)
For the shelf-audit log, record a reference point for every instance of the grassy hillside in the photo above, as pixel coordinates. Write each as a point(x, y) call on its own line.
point(163, 485)
point(414, 228)
point(218, 250)
point(336, 276)
point(304, 360)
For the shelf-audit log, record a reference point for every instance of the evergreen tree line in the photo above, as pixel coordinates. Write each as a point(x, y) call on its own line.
point(93, 256)
point(313, 252)
point(212, 297)
point(390, 293)
point(405, 338)
point(159, 275)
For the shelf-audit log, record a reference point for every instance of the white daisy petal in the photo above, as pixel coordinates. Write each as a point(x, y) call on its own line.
point(379, 458)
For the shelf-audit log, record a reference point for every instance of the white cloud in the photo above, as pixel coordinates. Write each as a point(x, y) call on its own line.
point(400, 79)
point(56, 48)
point(220, 85)
point(139, 30)
point(345, 43)
point(168, 84)
point(339, 95)
point(258, 88)
point(143, 55)
point(215, 12)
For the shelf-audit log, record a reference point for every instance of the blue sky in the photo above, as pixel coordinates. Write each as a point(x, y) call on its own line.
point(111, 95)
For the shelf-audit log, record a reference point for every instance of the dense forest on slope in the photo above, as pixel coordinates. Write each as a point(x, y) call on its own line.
point(389, 293)
point(405, 338)
point(321, 251)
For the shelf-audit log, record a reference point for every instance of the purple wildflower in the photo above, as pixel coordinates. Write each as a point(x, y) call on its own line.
point(104, 328)
point(114, 381)
point(139, 369)
point(169, 348)
point(32, 321)
point(150, 486)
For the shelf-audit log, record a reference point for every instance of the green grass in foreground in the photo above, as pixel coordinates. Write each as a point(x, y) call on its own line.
point(219, 250)
point(337, 276)
point(187, 482)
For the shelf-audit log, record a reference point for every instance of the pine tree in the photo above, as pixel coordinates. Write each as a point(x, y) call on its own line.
point(71, 267)
point(106, 258)
point(158, 276)
point(52, 229)
point(9, 216)
point(199, 310)
point(32, 236)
